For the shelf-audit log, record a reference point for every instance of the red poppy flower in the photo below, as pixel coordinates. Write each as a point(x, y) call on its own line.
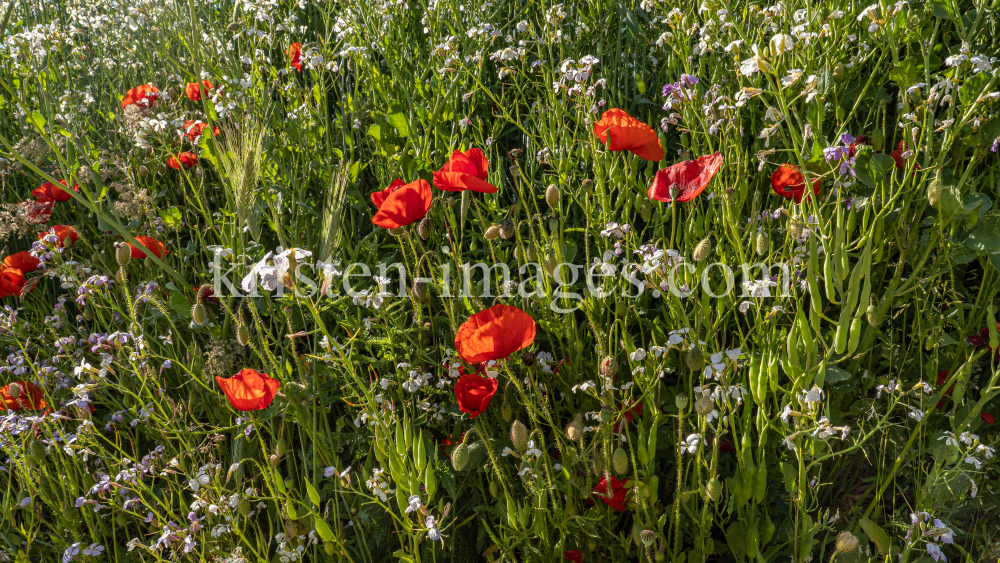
point(295, 54)
point(150, 244)
point(11, 282)
point(53, 192)
point(575, 555)
point(62, 232)
point(31, 397)
point(249, 390)
point(615, 498)
point(196, 129)
point(194, 92)
point(691, 177)
point(494, 334)
point(207, 293)
point(897, 155)
point(788, 182)
point(23, 261)
point(987, 417)
point(630, 415)
point(474, 393)
point(622, 132)
point(143, 95)
point(187, 159)
point(859, 140)
point(401, 204)
point(465, 171)
point(38, 212)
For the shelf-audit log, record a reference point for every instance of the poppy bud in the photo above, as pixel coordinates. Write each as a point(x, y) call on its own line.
point(507, 228)
point(492, 232)
point(397, 231)
point(703, 406)
point(553, 225)
point(123, 254)
point(681, 400)
point(838, 72)
point(14, 390)
point(519, 436)
point(934, 193)
point(609, 367)
point(550, 262)
point(794, 229)
point(588, 185)
point(274, 459)
point(574, 430)
point(421, 289)
point(872, 313)
point(233, 27)
point(702, 250)
point(143, 171)
point(161, 169)
point(674, 190)
point(552, 196)
point(761, 246)
point(619, 461)
point(37, 450)
point(598, 462)
point(713, 490)
point(460, 457)
point(494, 489)
point(424, 228)
point(695, 359)
point(243, 335)
point(506, 411)
point(280, 448)
point(846, 542)
point(198, 314)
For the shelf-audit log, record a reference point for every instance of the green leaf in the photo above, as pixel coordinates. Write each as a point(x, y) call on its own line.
point(941, 10)
point(986, 236)
point(970, 91)
point(835, 374)
point(179, 304)
point(872, 169)
point(37, 119)
point(950, 203)
point(973, 201)
point(877, 535)
point(817, 162)
point(399, 121)
point(172, 217)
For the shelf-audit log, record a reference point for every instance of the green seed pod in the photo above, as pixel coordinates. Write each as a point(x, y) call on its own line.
point(506, 411)
point(878, 139)
point(328, 548)
point(14, 390)
point(681, 400)
point(695, 359)
point(123, 254)
point(838, 72)
point(519, 436)
point(494, 489)
point(397, 231)
point(619, 461)
point(424, 228)
point(713, 490)
point(198, 314)
point(552, 196)
point(460, 457)
point(507, 228)
point(464, 208)
point(761, 245)
point(274, 459)
point(323, 529)
point(492, 232)
point(553, 225)
point(550, 262)
point(243, 335)
point(703, 406)
point(290, 509)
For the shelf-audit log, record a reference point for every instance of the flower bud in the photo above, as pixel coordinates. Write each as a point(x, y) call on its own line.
point(702, 250)
point(552, 196)
point(492, 232)
point(143, 171)
point(619, 461)
point(243, 335)
point(506, 411)
point(609, 367)
point(14, 390)
point(761, 246)
point(934, 190)
point(519, 436)
point(421, 289)
point(713, 490)
point(574, 430)
point(424, 228)
point(280, 448)
point(494, 489)
point(873, 316)
point(37, 450)
point(123, 254)
point(838, 72)
point(198, 314)
point(695, 359)
point(460, 457)
point(233, 27)
point(794, 229)
point(507, 228)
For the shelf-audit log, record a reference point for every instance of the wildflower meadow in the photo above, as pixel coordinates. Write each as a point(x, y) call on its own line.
point(513, 280)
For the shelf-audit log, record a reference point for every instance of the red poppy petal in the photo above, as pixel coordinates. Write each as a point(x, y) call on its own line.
point(379, 197)
point(404, 206)
point(458, 181)
point(691, 177)
point(478, 159)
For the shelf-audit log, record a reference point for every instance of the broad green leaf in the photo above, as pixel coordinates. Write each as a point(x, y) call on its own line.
point(399, 121)
point(877, 535)
point(970, 90)
point(986, 236)
point(835, 374)
point(950, 203)
point(172, 217)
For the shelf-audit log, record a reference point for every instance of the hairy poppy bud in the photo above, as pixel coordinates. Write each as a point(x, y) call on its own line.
point(838, 72)
point(506, 411)
point(695, 359)
point(233, 27)
point(574, 430)
point(123, 254)
point(552, 196)
point(274, 459)
point(14, 390)
point(528, 358)
point(702, 250)
point(198, 314)
point(846, 542)
point(494, 489)
point(280, 447)
point(143, 171)
point(243, 335)
point(619, 461)
point(507, 228)
point(397, 231)
point(681, 400)
point(550, 262)
point(761, 246)
point(794, 229)
point(609, 367)
point(713, 490)
point(703, 406)
point(934, 193)
point(873, 316)
point(424, 228)
point(421, 289)
point(519, 436)
point(492, 232)
point(460, 457)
